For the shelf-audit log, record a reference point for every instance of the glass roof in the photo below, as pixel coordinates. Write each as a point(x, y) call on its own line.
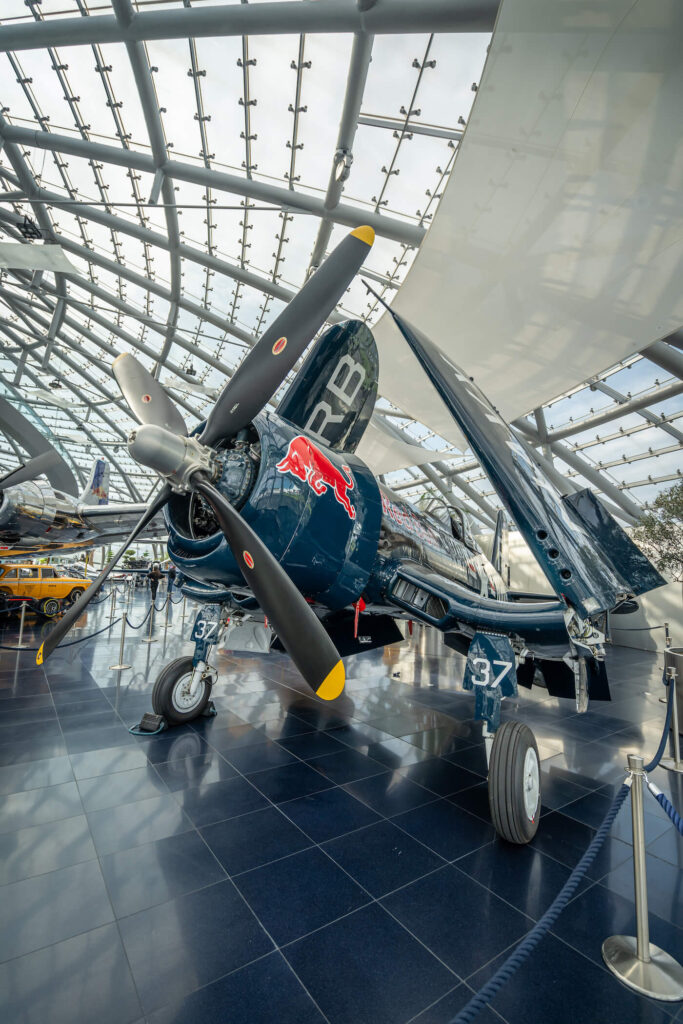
point(187, 266)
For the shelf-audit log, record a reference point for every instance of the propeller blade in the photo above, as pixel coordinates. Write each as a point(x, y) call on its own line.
point(147, 399)
point(299, 629)
point(63, 625)
point(267, 364)
point(34, 468)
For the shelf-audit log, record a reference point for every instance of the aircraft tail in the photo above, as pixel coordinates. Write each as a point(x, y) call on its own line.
point(334, 393)
point(96, 491)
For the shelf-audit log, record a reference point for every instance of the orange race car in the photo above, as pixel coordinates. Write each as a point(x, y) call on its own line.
point(42, 585)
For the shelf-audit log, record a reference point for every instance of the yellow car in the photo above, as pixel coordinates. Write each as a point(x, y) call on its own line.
point(42, 585)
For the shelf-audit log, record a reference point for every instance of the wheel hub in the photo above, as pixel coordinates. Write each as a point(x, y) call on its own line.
point(182, 698)
point(531, 783)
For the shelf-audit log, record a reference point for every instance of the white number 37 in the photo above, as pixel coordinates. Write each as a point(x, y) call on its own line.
point(483, 669)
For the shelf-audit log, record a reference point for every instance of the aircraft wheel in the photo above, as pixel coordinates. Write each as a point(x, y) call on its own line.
point(515, 783)
point(49, 607)
point(171, 697)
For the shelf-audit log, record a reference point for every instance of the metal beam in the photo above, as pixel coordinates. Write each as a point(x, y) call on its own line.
point(397, 124)
point(221, 181)
point(359, 65)
point(386, 17)
point(634, 405)
point(667, 357)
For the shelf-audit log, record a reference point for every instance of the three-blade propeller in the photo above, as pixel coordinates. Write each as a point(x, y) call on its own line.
point(253, 384)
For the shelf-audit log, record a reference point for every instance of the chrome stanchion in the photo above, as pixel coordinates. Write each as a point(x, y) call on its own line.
point(184, 606)
point(149, 639)
point(121, 665)
point(20, 645)
point(168, 604)
point(636, 961)
point(673, 663)
point(112, 610)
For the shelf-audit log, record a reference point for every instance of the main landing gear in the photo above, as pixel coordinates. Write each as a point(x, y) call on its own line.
point(182, 692)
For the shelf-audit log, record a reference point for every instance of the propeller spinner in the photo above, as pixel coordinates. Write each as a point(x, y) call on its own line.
point(188, 463)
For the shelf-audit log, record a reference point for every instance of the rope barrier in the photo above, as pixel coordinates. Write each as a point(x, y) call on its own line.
point(140, 624)
point(507, 969)
point(666, 805)
point(72, 643)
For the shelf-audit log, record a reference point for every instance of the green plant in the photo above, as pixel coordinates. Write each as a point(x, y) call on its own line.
point(660, 532)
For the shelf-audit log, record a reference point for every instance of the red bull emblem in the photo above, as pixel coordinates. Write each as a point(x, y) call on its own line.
point(306, 462)
point(279, 345)
point(146, 399)
point(248, 560)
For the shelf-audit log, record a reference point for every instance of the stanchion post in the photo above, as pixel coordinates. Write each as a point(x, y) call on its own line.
point(168, 603)
point(20, 645)
point(673, 658)
point(113, 606)
point(149, 639)
point(184, 605)
point(637, 962)
point(121, 665)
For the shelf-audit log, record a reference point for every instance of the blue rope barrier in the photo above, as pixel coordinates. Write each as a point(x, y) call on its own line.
point(140, 624)
point(506, 970)
point(72, 643)
point(666, 805)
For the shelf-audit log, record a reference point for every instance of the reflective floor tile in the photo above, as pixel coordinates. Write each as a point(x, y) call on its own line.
point(104, 762)
point(312, 744)
point(147, 875)
point(21, 750)
point(289, 782)
point(258, 757)
point(381, 857)
point(389, 793)
point(445, 1009)
point(261, 993)
point(591, 809)
point(198, 938)
point(77, 981)
point(580, 993)
point(462, 922)
point(448, 830)
point(472, 758)
point(328, 814)
point(48, 908)
point(367, 969)
point(254, 839)
point(38, 806)
point(218, 801)
point(440, 776)
point(100, 792)
point(668, 847)
point(297, 894)
point(598, 913)
point(566, 840)
point(527, 879)
point(663, 886)
point(65, 699)
point(98, 739)
point(43, 848)
point(190, 772)
point(136, 823)
point(172, 745)
point(346, 766)
point(237, 737)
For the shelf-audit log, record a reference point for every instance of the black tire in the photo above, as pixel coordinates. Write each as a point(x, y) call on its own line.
point(509, 775)
point(6, 591)
point(166, 698)
point(75, 594)
point(49, 607)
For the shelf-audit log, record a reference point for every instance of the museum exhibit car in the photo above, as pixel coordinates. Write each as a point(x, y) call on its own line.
point(44, 587)
point(274, 522)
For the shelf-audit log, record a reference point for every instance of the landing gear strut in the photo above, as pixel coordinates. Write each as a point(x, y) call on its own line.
point(515, 783)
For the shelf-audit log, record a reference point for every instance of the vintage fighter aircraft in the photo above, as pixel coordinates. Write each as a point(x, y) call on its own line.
point(37, 518)
point(276, 524)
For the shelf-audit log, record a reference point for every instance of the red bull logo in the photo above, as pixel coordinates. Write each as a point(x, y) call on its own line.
point(306, 462)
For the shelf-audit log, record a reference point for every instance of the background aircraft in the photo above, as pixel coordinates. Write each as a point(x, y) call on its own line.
point(273, 516)
point(37, 518)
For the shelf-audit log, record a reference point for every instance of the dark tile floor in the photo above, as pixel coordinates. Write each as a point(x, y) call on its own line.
point(292, 862)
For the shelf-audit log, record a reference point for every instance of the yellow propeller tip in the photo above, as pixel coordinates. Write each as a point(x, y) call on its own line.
point(120, 357)
point(333, 683)
point(39, 655)
point(365, 233)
